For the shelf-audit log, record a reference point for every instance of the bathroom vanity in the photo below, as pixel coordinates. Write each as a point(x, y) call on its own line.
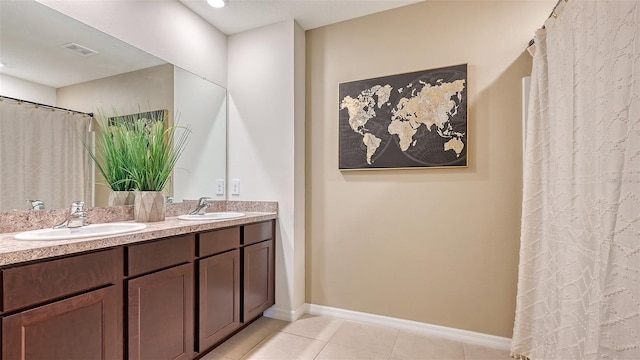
point(172, 291)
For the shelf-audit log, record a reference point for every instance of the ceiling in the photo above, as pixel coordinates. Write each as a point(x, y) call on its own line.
point(243, 15)
point(31, 34)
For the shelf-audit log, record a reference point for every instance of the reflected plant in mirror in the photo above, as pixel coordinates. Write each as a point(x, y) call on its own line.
point(111, 158)
point(136, 152)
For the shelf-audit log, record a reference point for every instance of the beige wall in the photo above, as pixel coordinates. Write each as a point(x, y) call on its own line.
point(146, 89)
point(438, 246)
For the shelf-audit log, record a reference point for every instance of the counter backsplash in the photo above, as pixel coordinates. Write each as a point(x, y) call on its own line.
point(37, 219)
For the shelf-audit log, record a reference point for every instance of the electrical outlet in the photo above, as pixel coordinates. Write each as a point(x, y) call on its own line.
point(235, 186)
point(219, 186)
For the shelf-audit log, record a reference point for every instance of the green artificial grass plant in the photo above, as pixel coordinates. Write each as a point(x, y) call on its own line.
point(154, 149)
point(110, 155)
point(138, 151)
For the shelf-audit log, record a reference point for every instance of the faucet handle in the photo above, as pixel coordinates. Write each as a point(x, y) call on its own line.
point(203, 201)
point(77, 206)
point(78, 215)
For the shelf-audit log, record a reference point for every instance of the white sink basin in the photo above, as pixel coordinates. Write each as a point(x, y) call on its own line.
point(81, 232)
point(212, 216)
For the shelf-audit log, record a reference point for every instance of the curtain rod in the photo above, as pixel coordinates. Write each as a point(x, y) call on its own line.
point(553, 14)
point(45, 105)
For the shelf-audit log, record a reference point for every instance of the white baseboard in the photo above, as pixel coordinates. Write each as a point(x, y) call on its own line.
point(466, 336)
point(286, 315)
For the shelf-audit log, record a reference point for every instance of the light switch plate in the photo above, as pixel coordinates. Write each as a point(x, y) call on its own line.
point(235, 186)
point(219, 186)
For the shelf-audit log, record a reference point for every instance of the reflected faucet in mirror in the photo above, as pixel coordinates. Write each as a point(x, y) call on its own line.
point(36, 204)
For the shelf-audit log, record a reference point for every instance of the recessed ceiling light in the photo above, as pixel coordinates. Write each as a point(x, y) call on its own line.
point(217, 3)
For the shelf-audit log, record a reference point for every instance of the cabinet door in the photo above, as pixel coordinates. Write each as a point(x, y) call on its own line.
point(219, 298)
point(258, 279)
point(160, 309)
point(83, 327)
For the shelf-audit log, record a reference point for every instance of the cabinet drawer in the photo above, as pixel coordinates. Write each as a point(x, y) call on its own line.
point(214, 242)
point(27, 285)
point(257, 232)
point(145, 258)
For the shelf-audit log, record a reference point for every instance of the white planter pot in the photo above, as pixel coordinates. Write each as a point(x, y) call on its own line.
point(119, 198)
point(149, 206)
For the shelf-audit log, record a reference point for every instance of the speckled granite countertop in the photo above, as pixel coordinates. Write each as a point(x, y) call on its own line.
point(16, 251)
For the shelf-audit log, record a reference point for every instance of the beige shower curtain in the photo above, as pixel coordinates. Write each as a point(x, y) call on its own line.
point(579, 276)
point(42, 156)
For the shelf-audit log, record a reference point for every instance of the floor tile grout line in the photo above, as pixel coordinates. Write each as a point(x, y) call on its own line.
point(304, 336)
point(258, 343)
point(322, 348)
point(393, 347)
point(464, 352)
point(283, 329)
point(336, 331)
point(358, 323)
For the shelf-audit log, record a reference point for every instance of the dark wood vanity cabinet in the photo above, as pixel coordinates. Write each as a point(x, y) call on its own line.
point(68, 308)
point(236, 279)
point(219, 286)
point(258, 272)
point(160, 287)
point(171, 298)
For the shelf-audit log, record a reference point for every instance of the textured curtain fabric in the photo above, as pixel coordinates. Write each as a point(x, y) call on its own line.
point(579, 276)
point(42, 157)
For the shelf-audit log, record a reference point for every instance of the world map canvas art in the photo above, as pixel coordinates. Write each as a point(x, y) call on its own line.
point(410, 120)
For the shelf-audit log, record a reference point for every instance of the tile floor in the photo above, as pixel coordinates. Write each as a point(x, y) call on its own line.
point(324, 338)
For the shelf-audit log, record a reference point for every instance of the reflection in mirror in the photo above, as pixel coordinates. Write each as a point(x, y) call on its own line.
point(43, 161)
point(129, 93)
point(118, 76)
point(203, 105)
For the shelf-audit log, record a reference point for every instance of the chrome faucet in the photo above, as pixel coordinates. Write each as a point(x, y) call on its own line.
point(36, 204)
point(201, 209)
point(76, 218)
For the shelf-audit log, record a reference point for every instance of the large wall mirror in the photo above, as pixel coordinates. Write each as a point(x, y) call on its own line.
point(38, 68)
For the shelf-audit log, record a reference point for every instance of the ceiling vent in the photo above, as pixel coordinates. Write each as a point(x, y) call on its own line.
point(78, 49)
